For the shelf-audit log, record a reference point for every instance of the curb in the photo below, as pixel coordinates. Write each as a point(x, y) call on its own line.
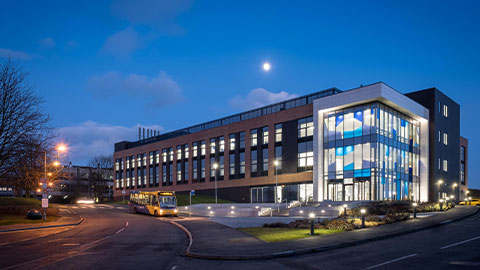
point(296, 252)
point(45, 227)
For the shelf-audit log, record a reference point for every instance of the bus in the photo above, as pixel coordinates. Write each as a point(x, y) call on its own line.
point(156, 203)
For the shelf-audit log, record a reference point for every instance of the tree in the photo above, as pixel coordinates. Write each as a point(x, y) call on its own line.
point(100, 174)
point(24, 132)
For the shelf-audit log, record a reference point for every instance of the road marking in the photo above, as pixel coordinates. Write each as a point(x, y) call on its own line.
point(446, 221)
point(395, 260)
point(462, 242)
point(71, 244)
point(31, 238)
point(174, 267)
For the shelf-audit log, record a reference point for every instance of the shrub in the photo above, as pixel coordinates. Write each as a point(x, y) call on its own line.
point(396, 217)
point(339, 224)
point(275, 225)
point(23, 210)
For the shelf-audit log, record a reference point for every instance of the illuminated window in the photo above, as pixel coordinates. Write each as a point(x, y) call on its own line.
point(221, 141)
point(242, 162)
point(185, 151)
point(278, 132)
point(202, 148)
point(179, 152)
point(265, 159)
point(445, 138)
point(265, 135)
point(232, 142)
point(253, 137)
point(212, 146)
point(194, 149)
point(305, 156)
point(232, 164)
point(164, 155)
point(445, 165)
point(170, 153)
point(253, 161)
point(179, 172)
point(278, 156)
point(445, 110)
point(242, 140)
point(305, 127)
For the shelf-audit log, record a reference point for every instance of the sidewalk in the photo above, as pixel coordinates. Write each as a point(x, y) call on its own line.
point(61, 222)
point(211, 240)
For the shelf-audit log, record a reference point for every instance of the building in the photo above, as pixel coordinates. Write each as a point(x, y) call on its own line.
point(82, 181)
point(463, 168)
point(368, 143)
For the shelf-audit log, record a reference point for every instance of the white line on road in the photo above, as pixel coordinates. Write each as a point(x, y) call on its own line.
point(395, 260)
point(462, 242)
point(446, 221)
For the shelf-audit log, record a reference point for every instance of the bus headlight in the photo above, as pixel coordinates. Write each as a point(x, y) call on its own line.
point(175, 211)
point(161, 212)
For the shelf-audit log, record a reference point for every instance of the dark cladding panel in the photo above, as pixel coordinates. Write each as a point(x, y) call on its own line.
point(289, 144)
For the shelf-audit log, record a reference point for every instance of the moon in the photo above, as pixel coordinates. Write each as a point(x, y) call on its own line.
point(266, 66)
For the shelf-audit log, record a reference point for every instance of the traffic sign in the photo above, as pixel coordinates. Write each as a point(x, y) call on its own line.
point(192, 192)
point(123, 192)
point(44, 203)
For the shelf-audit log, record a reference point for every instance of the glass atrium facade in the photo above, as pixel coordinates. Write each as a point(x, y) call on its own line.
point(371, 152)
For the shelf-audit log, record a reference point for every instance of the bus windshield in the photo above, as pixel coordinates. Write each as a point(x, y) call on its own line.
point(167, 201)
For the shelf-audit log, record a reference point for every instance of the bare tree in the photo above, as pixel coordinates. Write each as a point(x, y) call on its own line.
point(100, 174)
point(24, 132)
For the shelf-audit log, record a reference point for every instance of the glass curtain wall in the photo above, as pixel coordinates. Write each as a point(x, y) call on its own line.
point(371, 152)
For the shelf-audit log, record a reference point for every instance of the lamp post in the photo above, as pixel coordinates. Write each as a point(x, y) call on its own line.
point(439, 182)
point(469, 200)
point(441, 204)
point(215, 167)
point(60, 148)
point(312, 223)
point(454, 186)
point(276, 163)
point(414, 209)
point(452, 199)
point(363, 211)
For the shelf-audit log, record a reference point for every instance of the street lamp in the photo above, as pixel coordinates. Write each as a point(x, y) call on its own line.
point(439, 182)
point(215, 167)
point(312, 223)
point(414, 209)
point(363, 211)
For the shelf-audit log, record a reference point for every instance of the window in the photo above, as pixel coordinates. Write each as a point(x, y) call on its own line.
point(445, 165)
point(144, 157)
point(179, 172)
point(439, 107)
point(156, 175)
point(170, 178)
point(242, 140)
point(242, 162)
point(265, 135)
point(203, 168)
point(202, 149)
point(170, 151)
point(185, 151)
point(222, 165)
point(139, 160)
point(445, 110)
point(212, 146)
point(194, 149)
point(195, 170)
point(278, 157)
point(439, 136)
point(179, 152)
point(439, 164)
point(133, 178)
point(253, 161)
point(152, 155)
point(157, 157)
point(186, 170)
point(232, 164)
point(305, 156)
point(445, 138)
point(221, 144)
point(151, 175)
point(462, 153)
point(265, 159)
point(117, 165)
point(253, 136)
point(305, 127)
point(128, 163)
point(212, 169)
point(278, 132)
point(232, 142)
point(164, 155)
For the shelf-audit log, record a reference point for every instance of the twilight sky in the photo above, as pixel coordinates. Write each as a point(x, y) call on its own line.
point(105, 67)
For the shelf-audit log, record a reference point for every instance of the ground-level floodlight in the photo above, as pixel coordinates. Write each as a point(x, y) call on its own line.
point(312, 223)
point(363, 211)
point(415, 209)
point(345, 210)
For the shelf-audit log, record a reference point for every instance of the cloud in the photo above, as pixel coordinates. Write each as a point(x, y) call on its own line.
point(122, 43)
point(4, 53)
point(89, 139)
point(259, 97)
point(160, 14)
point(47, 43)
point(161, 90)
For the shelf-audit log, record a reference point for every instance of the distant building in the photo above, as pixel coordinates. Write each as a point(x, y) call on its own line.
point(463, 168)
point(82, 181)
point(367, 143)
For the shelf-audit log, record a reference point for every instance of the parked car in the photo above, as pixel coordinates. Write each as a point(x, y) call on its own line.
point(473, 202)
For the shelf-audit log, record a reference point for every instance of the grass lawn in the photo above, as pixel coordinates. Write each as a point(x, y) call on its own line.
point(184, 199)
point(283, 234)
point(9, 220)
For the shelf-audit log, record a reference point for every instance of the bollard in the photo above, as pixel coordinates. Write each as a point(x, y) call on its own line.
point(312, 223)
point(345, 210)
point(415, 210)
point(363, 211)
point(441, 204)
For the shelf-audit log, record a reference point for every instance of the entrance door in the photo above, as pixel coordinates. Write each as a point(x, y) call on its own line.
point(348, 192)
point(362, 190)
point(335, 192)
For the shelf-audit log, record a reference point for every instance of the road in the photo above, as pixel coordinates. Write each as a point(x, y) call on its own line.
point(113, 239)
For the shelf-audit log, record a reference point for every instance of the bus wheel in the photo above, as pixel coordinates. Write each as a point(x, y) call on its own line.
point(155, 213)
